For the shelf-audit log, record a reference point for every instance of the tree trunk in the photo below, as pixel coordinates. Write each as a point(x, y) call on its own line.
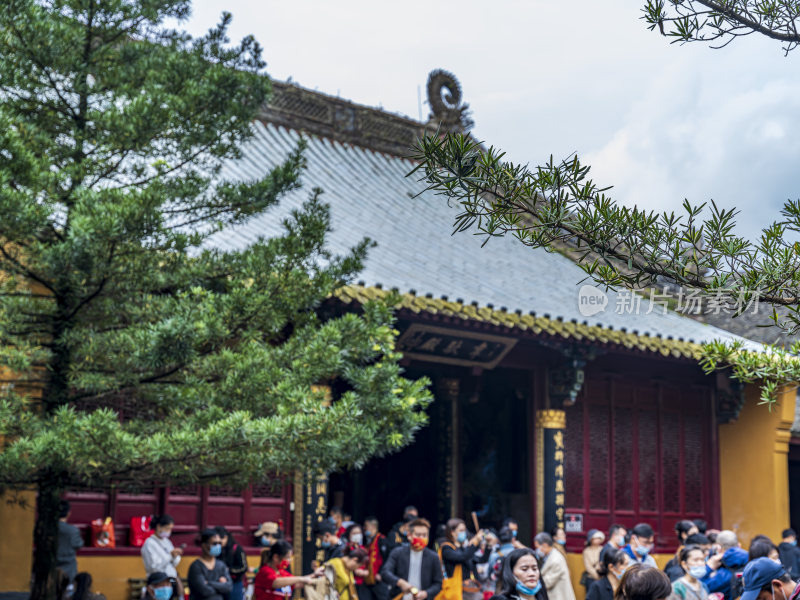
point(45, 539)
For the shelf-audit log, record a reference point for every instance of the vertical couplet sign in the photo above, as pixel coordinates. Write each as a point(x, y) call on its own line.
point(550, 431)
point(315, 508)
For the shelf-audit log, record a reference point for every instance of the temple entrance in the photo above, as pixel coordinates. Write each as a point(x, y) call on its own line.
point(473, 456)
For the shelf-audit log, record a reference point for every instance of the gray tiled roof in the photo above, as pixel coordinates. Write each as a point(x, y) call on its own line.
point(371, 196)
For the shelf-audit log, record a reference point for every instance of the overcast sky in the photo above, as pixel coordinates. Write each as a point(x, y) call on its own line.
point(659, 122)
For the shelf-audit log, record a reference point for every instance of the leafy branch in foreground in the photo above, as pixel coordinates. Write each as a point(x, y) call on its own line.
point(719, 22)
point(557, 204)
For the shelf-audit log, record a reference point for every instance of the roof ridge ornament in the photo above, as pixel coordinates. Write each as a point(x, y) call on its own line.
point(444, 98)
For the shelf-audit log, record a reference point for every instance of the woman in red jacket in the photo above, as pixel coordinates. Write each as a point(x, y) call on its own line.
point(274, 581)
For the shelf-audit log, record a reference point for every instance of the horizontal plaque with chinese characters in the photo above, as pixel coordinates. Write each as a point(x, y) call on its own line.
point(454, 346)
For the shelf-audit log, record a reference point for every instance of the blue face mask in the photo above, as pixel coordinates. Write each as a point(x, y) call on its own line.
point(163, 593)
point(326, 544)
point(793, 542)
point(462, 537)
point(514, 534)
point(642, 550)
point(698, 572)
point(264, 540)
point(562, 542)
point(215, 549)
point(529, 591)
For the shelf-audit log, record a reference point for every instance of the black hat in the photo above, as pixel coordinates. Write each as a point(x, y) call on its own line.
point(157, 577)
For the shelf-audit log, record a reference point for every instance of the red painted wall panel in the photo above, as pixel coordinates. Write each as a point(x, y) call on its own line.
point(639, 452)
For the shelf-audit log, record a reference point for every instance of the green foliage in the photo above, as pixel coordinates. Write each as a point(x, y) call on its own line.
point(557, 203)
point(719, 22)
point(131, 350)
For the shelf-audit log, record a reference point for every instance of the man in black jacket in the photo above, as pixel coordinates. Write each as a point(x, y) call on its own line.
point(414, 570)
point(790, 553)
point(398, 534)
point(332, 544)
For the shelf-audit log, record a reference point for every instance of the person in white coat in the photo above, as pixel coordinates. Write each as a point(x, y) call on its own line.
point(555, 572)
point(158, 552)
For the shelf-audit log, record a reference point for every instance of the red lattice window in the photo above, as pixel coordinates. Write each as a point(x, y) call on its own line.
point(599, 451)
point(573, 458)
point(652, 462)
point(623, 458)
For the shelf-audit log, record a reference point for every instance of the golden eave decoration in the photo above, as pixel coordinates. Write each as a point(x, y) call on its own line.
point(527, 322)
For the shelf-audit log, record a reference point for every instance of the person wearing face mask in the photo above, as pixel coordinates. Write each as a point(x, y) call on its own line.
point(336, 516)
point(354, 538)
point(159, 554)
point(457, 554)
point(377, 548)
point(332, 544)
point(641, 544)
point(513, 526)
point(267, 534)
point(234, 557)
point(611, 569)
point(684, 530)
point(209, 578)
point(764, 579)
point(274, 581)
point(560, 538)
point(688, 586)
point(616, 539)
point(414, 571)
point(161, 586)
point(790, 553)
point(520, 578)
point(555, 572)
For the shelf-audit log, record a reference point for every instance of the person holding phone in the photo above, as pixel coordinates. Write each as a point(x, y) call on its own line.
point(159, 554)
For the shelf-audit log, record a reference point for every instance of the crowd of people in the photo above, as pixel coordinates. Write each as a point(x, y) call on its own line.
point(358, 562)
point(408, 563)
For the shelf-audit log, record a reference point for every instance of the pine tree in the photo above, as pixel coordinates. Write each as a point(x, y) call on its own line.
point(131, 351)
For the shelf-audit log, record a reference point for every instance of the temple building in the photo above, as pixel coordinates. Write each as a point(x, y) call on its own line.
point(556, 402)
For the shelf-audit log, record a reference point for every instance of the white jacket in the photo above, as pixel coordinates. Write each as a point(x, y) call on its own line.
point(156, 554)
point(555, 575)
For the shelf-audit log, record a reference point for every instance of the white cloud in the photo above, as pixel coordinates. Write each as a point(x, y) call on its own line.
point(659, 122)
